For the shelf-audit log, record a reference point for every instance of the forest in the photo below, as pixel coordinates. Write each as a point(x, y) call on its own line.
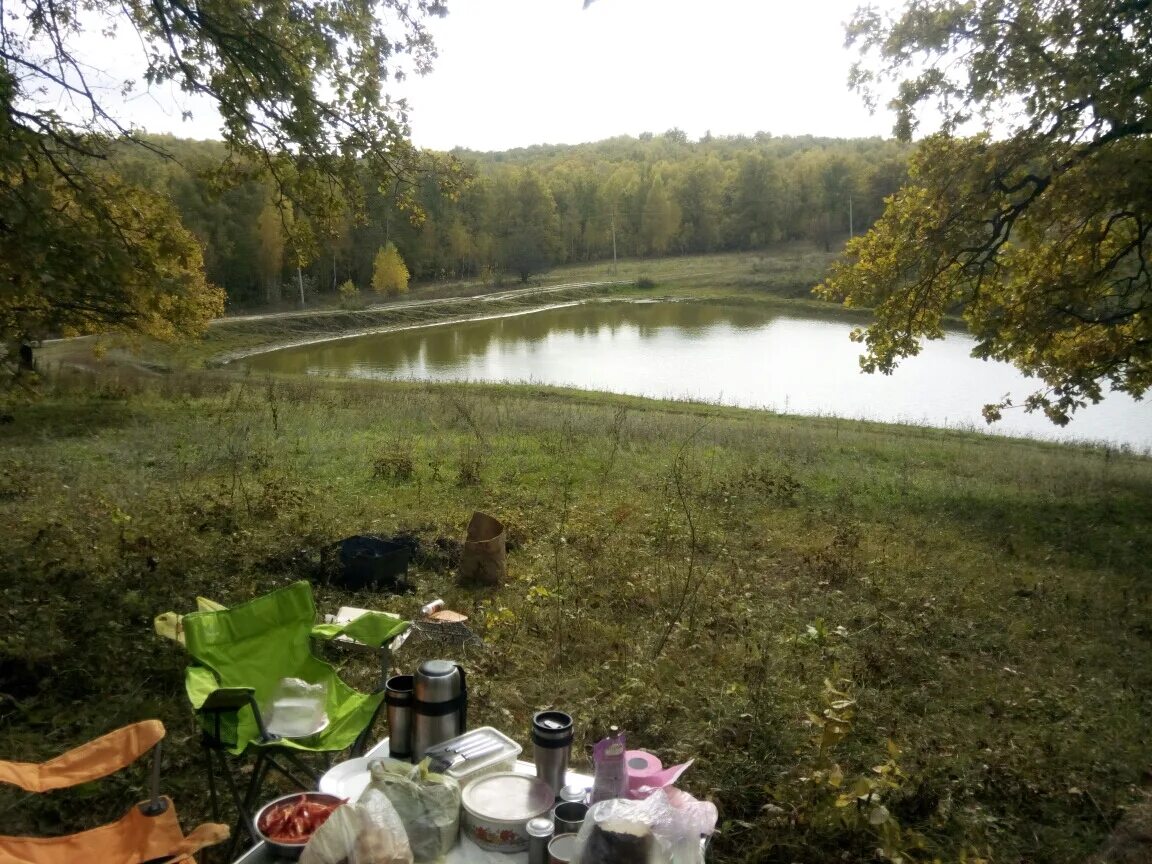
point(511, 215)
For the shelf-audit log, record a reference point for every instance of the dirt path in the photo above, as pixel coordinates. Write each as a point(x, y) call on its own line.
point(538, 290)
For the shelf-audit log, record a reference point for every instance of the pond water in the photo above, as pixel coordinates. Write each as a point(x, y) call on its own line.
point(735, 355)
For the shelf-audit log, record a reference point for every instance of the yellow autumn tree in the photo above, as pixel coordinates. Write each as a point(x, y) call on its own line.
point(389, 272)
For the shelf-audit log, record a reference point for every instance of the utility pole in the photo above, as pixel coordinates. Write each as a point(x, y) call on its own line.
point(851, 231)
point(613, 244)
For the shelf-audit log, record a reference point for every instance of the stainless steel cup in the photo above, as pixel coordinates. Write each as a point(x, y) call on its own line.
point(568, 816)
point(399, 695)
point(551, 745)
point(562, 849)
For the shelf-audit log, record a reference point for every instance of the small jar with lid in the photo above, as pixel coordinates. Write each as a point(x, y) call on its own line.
point(574, 793)
point(540, 832)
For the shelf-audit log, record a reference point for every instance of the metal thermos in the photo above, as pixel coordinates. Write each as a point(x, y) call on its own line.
point(551, 744)
point(398, 697)
point(440, 709)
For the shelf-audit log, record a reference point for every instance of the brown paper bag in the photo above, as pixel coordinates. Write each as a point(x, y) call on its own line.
point(483, 559)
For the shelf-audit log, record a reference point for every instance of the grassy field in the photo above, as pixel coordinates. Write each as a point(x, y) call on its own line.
point(876, 642)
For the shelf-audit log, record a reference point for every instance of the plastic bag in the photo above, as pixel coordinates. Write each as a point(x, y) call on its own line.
point(296, 709)
point(365, 833)
point(428, 805)
point(667, 827)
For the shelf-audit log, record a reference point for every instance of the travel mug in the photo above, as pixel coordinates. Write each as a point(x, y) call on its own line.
point(399, 693)
point(551, 744)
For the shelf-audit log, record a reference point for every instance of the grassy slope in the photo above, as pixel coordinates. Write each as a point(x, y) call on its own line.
point(691, 573)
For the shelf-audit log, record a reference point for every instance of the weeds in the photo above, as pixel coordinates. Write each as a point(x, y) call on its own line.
point(396, 465)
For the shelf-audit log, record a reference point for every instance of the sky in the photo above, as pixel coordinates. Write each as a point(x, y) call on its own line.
point(513, 73)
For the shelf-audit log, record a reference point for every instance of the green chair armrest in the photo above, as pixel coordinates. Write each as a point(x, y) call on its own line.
point(372, 628)
point(208, 697)
point(206, 694)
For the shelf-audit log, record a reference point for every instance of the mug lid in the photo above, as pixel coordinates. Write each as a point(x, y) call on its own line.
point(551, 721)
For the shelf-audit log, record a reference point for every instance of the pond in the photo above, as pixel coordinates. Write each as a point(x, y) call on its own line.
point(735, 355)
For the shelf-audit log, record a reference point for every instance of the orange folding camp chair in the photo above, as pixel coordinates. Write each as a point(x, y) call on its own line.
point(149, 831)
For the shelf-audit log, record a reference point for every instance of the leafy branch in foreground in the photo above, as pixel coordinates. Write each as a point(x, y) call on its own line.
point(1040, 240)
point(300, 91)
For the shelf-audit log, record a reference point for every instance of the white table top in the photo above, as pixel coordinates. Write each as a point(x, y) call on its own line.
point(464, 852)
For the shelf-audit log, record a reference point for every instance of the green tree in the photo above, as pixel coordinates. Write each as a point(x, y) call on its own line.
point(529, 238)
point(754, 213)
point(1039, 235)
point(660, 220)
point(389, 272)
point(701, 186)
point(270, 231)
point(299, 89)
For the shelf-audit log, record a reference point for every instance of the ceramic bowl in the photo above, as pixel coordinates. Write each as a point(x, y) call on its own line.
point(496, 810)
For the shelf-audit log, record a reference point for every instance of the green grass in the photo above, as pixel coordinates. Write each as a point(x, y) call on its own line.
point(691, 573)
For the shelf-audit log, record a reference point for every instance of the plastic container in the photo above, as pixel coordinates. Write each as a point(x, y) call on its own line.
point(495, 753)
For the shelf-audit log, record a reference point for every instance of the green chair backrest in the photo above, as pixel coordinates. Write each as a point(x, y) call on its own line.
point(253, 646)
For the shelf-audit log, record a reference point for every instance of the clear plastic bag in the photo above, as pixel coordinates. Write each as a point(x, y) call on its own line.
point(296, 708)
point(667, 827)
point(428, 805)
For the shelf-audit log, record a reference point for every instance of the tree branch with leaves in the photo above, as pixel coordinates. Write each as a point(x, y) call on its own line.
point(300, 88)
point(1034, 233)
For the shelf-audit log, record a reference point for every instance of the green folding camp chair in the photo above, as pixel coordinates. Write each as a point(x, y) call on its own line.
point(240, 655)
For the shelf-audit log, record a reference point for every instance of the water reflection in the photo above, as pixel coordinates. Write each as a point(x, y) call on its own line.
point(739, 355)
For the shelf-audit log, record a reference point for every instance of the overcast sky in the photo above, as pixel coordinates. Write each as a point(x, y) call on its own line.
point(513, 73)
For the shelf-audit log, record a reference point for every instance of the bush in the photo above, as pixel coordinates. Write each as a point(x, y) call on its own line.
point(350, 296)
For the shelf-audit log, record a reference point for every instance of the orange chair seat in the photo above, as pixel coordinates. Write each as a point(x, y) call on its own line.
point(135, 838)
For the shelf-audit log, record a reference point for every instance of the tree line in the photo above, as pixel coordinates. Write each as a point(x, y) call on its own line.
point(510, 215)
